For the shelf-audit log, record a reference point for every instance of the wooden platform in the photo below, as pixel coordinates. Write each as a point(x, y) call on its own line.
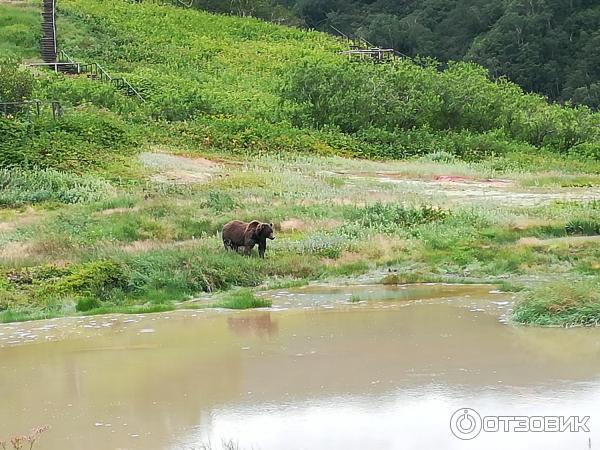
point(375, 54)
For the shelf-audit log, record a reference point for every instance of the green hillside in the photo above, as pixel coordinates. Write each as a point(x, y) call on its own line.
point(232, 83)
point(546, 46)
point(112, 206)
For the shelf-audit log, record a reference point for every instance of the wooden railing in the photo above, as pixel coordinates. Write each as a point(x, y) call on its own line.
point(30, 108)
point(94, 70)
point(363, 50)
point(56, 66)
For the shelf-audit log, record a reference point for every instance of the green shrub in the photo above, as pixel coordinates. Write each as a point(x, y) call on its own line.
point(96, 279)
point(394, 279)
point(586, 227)
point(85, 304)
point(389, 217)
point(242, 299)
point(88, 138)
point(327, 245)
point(75, 91)
point(16, 84)
point(404, 96)
point(220, 201)
point(560, 303)
point(170, 96)
point(355, 298)
point(20, 187)
point(440, 156)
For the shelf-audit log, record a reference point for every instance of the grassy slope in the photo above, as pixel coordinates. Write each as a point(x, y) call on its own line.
point(20, 29)
point(234, 60)
point(129, 244)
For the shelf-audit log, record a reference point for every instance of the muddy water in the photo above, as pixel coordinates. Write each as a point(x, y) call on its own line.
point(318, 371)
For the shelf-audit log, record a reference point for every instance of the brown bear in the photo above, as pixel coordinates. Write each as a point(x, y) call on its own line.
point(238, 234)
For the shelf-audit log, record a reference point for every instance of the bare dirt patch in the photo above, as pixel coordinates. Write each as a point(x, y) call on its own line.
point(463, 188)
point(345, 258)
point(294, 225)
point(15, 251)
point(149, 245)
point(113, 211)
point(472, 181)
point(527, 223)
point(177, 169)
point(571, 241)
point(20, 219)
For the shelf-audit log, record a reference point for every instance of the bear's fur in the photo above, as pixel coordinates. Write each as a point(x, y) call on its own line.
point(238, 234)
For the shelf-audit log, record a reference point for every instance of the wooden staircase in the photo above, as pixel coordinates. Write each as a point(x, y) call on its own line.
point(48, 45)
point(95, 71)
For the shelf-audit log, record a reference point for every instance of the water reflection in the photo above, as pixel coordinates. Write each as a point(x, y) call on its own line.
point(386, 373)
point(261, 325)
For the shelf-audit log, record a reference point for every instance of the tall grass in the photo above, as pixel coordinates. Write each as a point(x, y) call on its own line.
point(20, 187)
point(20, 30)
point(242, 299)
point(561, 303)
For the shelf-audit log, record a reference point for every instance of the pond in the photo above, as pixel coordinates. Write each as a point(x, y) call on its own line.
point(328, 367)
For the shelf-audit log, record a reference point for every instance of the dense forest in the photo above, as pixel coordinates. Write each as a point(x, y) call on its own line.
point(547, 46)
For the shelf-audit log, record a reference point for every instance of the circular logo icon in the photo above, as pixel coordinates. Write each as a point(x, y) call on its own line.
point(465, 424)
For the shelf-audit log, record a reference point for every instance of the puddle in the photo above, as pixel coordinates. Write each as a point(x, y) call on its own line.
point(316, 371)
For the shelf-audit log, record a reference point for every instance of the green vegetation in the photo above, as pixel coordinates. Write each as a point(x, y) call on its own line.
point(20, 187)
point(546, 46)
point(299, 96)
point(117, 205)
point(20, 30)
point(242, 299)
point(561, 303)
point(15, 84)
point(355, 299)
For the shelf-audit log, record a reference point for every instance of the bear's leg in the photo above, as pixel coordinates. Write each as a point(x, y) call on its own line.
point(262, 246)
point(248, 249)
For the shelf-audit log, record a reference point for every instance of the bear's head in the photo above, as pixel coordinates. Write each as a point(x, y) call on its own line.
point(265, 231)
